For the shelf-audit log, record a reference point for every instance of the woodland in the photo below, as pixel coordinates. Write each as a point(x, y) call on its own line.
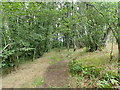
point(60, 44)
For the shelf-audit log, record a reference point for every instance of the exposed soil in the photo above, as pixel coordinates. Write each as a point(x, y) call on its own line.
point(54, 75)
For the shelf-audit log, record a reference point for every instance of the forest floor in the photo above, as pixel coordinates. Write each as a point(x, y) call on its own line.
point(51, 70)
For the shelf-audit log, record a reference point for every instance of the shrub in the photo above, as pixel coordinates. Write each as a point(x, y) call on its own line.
point(76, 67)
point(109, 79)
point(111, 75)
point(104, 84)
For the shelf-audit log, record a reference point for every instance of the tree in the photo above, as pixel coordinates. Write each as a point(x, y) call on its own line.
point(29, 29)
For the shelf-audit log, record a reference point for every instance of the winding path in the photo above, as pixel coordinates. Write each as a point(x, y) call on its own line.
point(54, 75)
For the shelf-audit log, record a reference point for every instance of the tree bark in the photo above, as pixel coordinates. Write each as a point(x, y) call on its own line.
point(106, 36)
point(119, 51)
point(118, 40)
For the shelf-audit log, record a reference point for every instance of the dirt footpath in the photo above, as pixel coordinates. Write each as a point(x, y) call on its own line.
point(54, 75)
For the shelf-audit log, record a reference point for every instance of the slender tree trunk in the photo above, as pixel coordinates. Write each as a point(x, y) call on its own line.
point(119, 51)
point(74, 48)
point(118, 56)
point(106, 36)
point(68, 44)
point(111, 53)
point(118, 39)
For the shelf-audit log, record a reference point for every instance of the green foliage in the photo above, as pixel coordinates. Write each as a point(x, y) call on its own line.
point(50, 86)
point(106, 79)
point(55, 59)
point(103, 84)
point(38, 27)
point(38, 81)
point(111, 75)
point(86, 70)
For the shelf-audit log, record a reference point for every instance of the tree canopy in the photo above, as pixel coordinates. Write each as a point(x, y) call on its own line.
point(29, 29)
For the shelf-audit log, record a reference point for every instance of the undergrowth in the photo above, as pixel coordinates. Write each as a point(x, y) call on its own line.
point(95, 76)
point(38, 81)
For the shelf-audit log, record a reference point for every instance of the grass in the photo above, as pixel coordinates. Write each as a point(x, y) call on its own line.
point(37, 68)
point(56, 87)
point(38, 81)
point(55, 59)
point(98, 59)
point(59, 56)
point(95, 60)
